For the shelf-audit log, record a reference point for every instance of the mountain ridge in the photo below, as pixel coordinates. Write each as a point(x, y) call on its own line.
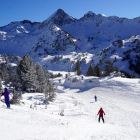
point(62, 34)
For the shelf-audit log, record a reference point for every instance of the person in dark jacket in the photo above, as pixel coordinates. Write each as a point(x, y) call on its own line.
point(95, 98)
point(6, 96)
point(100, 113)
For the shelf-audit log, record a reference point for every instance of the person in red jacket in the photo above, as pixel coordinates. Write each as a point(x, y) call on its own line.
point(100, 113)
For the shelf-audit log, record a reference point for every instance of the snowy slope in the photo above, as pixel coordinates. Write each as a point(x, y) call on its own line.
point(119, 97)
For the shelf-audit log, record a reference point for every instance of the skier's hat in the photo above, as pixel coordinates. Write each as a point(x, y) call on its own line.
point(5, 89)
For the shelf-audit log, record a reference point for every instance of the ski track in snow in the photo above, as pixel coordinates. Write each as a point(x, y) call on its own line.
point(118, 97)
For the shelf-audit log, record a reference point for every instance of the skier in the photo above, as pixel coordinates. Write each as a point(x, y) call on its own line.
point(100, 113)
point(6, 96)
point(95, 98)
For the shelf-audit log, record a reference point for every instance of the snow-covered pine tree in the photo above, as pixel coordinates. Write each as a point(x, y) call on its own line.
point(41, 79)
point(66, 75)
point(97, 71)
point(4, 71)
point(50, 91)
point(78, 67)
point(1, 90)
point(16, 97)
point(108, 68)
point(26, 73)
point(90, 71)
point(134, 75)
point(12, 75)
point(0, 73)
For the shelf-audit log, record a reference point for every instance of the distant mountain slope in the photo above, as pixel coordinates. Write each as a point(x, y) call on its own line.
point(95, 38)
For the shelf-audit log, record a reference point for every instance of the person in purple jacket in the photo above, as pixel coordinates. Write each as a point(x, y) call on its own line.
point(6, 96)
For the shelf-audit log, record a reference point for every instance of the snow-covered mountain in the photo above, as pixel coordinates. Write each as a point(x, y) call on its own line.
point(92, 38)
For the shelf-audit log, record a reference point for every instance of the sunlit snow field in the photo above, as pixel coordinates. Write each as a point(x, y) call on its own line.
point(119, 98)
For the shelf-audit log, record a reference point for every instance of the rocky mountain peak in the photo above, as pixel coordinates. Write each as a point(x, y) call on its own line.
point(58, 18)
point(60, 11)
point(88, 15)
point(93, 17)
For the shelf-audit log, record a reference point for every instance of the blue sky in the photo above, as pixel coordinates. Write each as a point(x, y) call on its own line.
point(40, 10)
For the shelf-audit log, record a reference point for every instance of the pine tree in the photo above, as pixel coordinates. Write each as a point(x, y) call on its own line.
point(50, 91)
point(12, 75)
point(134, 75)
point(26, 73)
point(108, 68)
point(66, 76)
point(115, 60)
point(1, 90)
point(41, 79)
point(90, 71)
point(48, 85)
point(97, 71)
point(4, 71)
point(78, 67)
point(16, 97)
point(0, 74)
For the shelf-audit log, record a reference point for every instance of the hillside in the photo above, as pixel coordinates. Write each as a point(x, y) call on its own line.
point(119, 97)
point(92, 38)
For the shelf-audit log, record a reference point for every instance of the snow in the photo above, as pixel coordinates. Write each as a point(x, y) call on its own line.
point(103, 15)
point(13, 64)
point(1, 60)
point(79, 83)
point(91, 34)
point(119, 98)
point(113, 57)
